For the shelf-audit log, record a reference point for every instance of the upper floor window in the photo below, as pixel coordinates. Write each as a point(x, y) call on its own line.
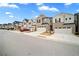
point(65, 18)
point(69, 18)
point(39, 21)
point(55, 20)
point(59, 27)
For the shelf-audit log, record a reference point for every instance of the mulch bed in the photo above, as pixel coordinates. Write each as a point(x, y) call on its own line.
point(47, 33)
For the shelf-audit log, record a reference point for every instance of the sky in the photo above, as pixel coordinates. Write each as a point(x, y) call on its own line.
point(10, 12)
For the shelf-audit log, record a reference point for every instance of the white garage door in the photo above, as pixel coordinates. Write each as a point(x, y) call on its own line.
point(63, 31)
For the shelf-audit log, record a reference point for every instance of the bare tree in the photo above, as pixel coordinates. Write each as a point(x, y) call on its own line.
point(51, 25)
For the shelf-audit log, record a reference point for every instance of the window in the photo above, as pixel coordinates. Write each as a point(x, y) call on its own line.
point(59, 27)
point(55, 20)
point(55, 27)
point(39, 21)
point(68, 27)
point(64, 27)
point(69, 18)
point(65, 18)
point(59, 19)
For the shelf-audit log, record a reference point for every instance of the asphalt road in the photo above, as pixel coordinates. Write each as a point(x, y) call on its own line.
point(19, 44)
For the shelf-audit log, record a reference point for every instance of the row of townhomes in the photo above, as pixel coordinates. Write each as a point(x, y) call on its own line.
point(64, 21)
point(60, 22)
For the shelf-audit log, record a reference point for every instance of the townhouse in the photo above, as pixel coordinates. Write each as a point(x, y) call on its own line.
point(41, 21)
point(64, 23)
point(10, 26)
point(76, 18)
point(17, 25)
point(0, 26)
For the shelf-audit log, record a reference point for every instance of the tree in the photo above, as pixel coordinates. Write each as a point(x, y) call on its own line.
point(51, 25)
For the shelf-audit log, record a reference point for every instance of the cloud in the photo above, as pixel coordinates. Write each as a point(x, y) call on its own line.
point(8, 13)
point(43, 8)
point(8, 5)
point(39, 4)
point(48, 8)
point(11, 16)
point(24, 3)
point(33, 11)
point(67, 4)
point(77, 10)
point(36, 16)
point(54, 9)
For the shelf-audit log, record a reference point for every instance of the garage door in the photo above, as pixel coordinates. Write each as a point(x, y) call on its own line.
point(63, 31)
